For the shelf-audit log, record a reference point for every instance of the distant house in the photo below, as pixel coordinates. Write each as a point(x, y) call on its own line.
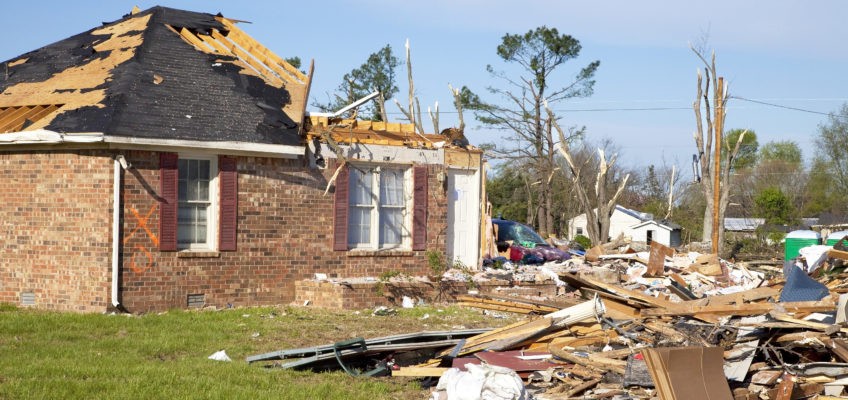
point(742, 226)
point(636, 225)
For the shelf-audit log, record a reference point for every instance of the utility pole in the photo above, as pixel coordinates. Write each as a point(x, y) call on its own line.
point(718, 126)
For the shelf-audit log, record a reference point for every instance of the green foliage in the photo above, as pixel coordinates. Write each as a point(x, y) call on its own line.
point(294, 61)
point(832, 145)
point(436, 261)
point(543, 49)
point(821, 189)
point(583, 241)
point(785, 151)
point(377, 73)
point(747, 155)
point(388, 275)
point(774, 206)
point(507, 192)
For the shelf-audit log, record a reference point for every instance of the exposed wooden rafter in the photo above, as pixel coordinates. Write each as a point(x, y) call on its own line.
point(14, 119)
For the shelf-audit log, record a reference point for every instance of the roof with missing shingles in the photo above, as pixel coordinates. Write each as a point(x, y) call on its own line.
point(157, 74)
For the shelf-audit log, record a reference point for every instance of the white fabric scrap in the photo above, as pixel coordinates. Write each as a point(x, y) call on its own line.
point(220, 356)
point(545, 271)
point(482, 382)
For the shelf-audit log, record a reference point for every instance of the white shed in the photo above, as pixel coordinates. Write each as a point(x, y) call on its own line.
point(663, 232)
point(638, 226)
point(621, 220)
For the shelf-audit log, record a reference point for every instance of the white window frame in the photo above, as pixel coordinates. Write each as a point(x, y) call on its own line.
point(375, 223)
point(212, 212)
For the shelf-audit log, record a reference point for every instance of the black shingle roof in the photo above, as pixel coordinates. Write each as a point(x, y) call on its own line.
point(163, 89)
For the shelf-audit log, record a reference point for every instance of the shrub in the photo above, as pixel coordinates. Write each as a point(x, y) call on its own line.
point(583, 241)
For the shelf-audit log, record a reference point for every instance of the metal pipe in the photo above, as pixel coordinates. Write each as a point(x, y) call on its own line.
point(119, 164)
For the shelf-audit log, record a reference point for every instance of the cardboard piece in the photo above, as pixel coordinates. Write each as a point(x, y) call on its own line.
point(707, 264)
point(594, 253)
point(656, 259)
point(688, 373)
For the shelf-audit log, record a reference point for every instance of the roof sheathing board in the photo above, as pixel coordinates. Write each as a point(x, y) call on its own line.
point(81, 85)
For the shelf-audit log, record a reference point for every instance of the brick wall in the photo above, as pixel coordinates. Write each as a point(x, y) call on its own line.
point(56, 218)
point(55, 228)
point(284, 235)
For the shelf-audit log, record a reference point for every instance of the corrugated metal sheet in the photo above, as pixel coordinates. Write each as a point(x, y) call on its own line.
point(743, 224)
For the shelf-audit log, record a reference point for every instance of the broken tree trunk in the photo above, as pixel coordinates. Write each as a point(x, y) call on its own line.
point(600, 206)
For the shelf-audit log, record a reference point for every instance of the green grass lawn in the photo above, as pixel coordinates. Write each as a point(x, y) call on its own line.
point(51, 355)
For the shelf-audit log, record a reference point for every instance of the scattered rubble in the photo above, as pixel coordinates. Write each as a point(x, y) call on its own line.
point(633, 325)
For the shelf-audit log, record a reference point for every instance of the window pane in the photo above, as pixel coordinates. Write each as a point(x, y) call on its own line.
point(359, 225)
point(202, 190)
point(391, 223)
point(360, 187)
point(193, 192)
point(391, 187)
point(185, 216)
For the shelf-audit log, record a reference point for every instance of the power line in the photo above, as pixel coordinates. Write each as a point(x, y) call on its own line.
point(782, 106)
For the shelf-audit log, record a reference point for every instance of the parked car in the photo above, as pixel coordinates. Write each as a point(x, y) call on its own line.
point(516, 232)
point(526, 240)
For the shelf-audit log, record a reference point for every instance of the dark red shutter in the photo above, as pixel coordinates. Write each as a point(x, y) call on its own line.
point(419, 208)
point(168, 204)
point(340, 211)
point(229, 203)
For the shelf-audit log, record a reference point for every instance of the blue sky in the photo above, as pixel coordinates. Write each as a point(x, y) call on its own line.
point(790, 53)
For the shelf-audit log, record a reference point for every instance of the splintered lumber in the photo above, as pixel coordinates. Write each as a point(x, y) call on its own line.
point(833, 253)
point(419, 371)
point(800, 336)
point(583, 387)
point(759, 293)
point(665, 330)
point(510, 336)
point(818, 326)
point(593, 361)
point(655, 301)
point(743, 309)
point(576, 336)
point(840, 348)
point(516, 306)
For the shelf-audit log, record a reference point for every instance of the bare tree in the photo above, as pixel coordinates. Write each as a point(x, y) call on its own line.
point(598, 206)
point(712, 113)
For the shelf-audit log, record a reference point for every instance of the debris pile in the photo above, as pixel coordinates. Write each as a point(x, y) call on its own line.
point(638, 325)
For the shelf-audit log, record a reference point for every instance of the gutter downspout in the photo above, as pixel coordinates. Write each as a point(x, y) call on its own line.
point(120, 164)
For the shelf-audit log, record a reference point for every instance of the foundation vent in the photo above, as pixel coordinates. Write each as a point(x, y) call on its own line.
point(27, 298)
point(196, 300)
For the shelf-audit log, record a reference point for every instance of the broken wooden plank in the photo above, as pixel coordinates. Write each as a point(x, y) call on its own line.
point(742, 309)
point(594, 362)
point(504, 305)
point(582, 387)
point(818, 326)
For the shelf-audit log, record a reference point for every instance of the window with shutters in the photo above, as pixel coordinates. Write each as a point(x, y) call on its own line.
point(379, 207)
point(197, 212)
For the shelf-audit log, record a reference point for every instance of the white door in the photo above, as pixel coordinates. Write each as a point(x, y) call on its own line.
point(463, 216)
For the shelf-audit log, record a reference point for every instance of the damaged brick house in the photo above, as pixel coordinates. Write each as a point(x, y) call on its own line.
point(167, 160)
